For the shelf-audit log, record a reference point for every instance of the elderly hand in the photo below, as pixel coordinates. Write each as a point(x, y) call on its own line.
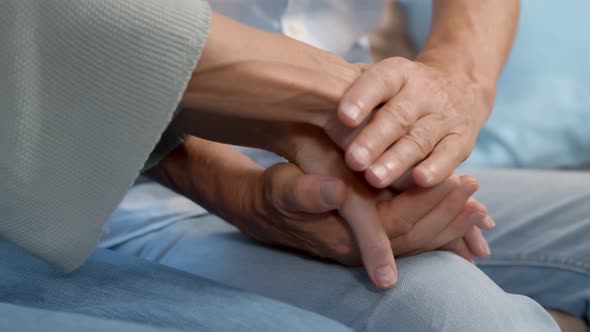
point(299, 212)
point(284, 206)
point(423, 116)
point(310, 148)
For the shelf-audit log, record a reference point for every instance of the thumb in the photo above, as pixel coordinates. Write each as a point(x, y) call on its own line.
point(307, 193)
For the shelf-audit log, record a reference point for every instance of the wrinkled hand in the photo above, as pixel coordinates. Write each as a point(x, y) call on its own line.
point(429, 118)
point(297, 210)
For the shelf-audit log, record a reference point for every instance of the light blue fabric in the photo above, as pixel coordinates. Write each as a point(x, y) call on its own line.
point(25, 319)
point(113, 292)
point(539, 249)
point(542, 106)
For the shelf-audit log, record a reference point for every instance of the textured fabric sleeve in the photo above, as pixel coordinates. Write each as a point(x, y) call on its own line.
point(86, 89)
point(168, 142)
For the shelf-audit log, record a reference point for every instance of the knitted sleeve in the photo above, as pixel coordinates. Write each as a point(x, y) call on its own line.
point(86, 90)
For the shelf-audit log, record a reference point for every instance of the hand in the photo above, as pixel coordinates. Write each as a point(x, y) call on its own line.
point(283, 206)
point(373, 217)
point(429, 117)
point(296, 210)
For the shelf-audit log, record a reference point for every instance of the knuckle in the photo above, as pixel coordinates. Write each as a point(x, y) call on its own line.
point(343, 250)
point(452, 207)
point(397, 61)
point(457, 152)
point(400, 113)
point(420, 145)
point(415, 239)
point(381, 129)
point(442, 95)
point(407, 243)
point(345, 253)
point(405, 226)
point(423, 132)
point(375, 75)
point(442, 117)
point(401, 225)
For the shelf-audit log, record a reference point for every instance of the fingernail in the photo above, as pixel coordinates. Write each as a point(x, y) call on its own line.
point(379, 171)
point(470, 188)
point(385, 276)
point(477, 218)
point(361, 156)
point(482, 220)
point(351, 111)
point(485, 247)
point(328, 192)
point(488, 222)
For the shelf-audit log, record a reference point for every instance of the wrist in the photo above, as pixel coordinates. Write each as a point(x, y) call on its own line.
point(461, 66)
point(465, 73)
point(213, 175)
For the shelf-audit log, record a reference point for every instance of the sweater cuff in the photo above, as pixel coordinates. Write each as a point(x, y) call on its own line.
point(168, 142)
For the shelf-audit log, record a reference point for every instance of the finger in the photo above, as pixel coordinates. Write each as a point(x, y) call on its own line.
point(404, 182)
point(341, 134)
point(420, 237)
point(390, 122)
point(376, 85)
point(471, 216)
point(477, 244)
point(488, 223)
point(404, 210)
point(460, 248)
point(374, 245)
point(299, 192)
point(409, 150)
point(444, 159)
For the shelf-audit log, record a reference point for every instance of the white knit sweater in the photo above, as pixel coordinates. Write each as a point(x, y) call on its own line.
point(87, 87)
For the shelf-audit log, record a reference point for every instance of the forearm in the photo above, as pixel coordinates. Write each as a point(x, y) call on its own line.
point(215, 176)
point(250, 73)
point(472, 37)
point(275, 136)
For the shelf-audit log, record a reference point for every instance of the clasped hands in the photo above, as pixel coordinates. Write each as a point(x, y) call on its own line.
point(331, 120)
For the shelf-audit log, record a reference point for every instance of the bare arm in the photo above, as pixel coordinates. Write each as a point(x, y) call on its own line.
point(472, 37)
point(250, 73)
point(201, 170)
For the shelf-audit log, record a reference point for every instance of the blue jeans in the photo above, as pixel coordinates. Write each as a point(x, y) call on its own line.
point(540, 255)
point(538, 251)
point(115, 292)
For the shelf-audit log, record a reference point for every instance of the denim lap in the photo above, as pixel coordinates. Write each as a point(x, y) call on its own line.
point(203, 244)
